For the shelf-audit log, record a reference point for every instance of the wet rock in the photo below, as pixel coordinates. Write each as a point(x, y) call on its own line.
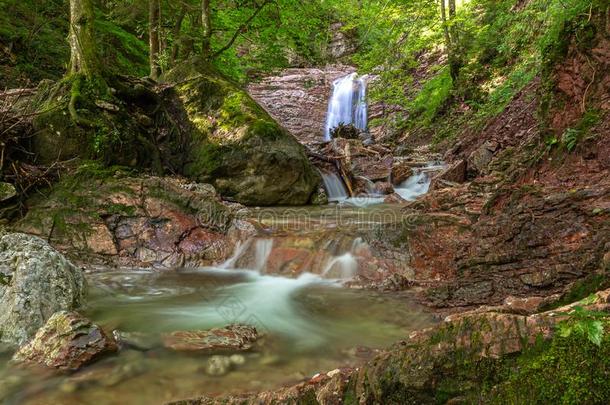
point(237, 359)
point(401, 171)
point(232, 338)
point(135, 340)
point(320, 197)
point(135, 222)
point(394, 198)
point(218, 365)
point(67, 341)
point(384, 188)
point(35, 282)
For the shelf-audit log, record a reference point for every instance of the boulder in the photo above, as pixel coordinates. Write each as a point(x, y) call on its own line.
point(35, 282)
point(67, 342)
point(481, 157)
point(103, 217)
point(237, 146)
point(7, 191)
point(401, 171)
point(232, 338)
point(455, 173)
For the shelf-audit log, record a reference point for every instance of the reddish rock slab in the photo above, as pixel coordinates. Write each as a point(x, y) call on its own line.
point(68, 341)
point(232, 338)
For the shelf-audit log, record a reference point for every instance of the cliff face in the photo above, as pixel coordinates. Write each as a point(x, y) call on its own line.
point(298, 98)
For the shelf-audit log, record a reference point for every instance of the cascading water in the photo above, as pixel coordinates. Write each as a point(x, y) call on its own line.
point(347, 104)
point(419, 183)
point(335, 189)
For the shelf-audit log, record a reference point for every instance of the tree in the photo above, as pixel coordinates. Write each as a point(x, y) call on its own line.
point(84, 58)
point(154, 16)
point(206, 22)
point(454, 58)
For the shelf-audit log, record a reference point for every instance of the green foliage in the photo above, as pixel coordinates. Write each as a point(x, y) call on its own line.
point(33, 42)
point(572, 136)
point(568, 370)
point(585, 322)
point(433, 97)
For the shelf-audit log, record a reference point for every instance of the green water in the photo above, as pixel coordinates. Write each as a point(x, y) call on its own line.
point(310, 325)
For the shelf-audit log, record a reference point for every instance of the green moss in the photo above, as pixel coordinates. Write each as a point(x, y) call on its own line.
point(580, 290)
point(568, 370)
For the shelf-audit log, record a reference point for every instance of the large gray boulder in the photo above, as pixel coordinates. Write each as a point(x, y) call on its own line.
point(35, 282)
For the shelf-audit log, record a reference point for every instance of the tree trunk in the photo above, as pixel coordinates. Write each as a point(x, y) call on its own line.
point(84, 58)
point(454, 58)
point(445, 27)
point(176, 36)
point(154, 16)
point(206, 22)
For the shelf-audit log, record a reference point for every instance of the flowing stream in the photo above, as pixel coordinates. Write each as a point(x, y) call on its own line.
point(310, 323)
point(288, 282)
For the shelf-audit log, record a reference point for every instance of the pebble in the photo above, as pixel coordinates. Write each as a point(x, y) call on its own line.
point(218, 365)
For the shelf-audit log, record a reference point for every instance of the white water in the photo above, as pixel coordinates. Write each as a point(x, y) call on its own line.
point(335, 189)
point(347, 104)
point(419, 183)
point(266, 301)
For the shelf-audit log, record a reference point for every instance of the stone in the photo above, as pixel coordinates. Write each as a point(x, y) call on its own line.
point(455, 173)
point(479, 159)
point(394, 198)
point(68, 341)
point(218, 365)
point(118, 220)
point(7, 191)
point(135, 340)
point(35, 282)
point(384, 188)
point(237, 146)
point(320, 197)
point(232, 338)
point(401, 171)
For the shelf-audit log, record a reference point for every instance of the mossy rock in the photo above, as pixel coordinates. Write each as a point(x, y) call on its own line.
point(237, 146)
point(7, 191)
point(121, 121)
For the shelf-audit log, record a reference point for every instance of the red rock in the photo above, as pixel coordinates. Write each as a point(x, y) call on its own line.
point(231, 338)
point(401, 171)
point(67, 341)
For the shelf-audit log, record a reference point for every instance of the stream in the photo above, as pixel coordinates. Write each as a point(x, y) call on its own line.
point(310, 322)
point(289, 283)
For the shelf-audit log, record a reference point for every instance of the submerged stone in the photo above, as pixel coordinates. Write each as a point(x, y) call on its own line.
point(231, 338)
point(67, 341)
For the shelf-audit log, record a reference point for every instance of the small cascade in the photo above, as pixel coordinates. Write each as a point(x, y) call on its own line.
point(335, 189)
point(341, 267)
point(419, 183)
point(333, 261)
point(262, 251)
point(347, 104)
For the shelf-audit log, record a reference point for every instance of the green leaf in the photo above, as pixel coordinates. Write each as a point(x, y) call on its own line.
point(595, 332)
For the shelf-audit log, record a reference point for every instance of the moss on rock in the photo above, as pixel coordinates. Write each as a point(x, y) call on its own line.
point(237, 146)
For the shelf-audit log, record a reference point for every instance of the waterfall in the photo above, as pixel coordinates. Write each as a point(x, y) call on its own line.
point(347, 104)
point(335, 189)
point(339, 262)
point(419, 183)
